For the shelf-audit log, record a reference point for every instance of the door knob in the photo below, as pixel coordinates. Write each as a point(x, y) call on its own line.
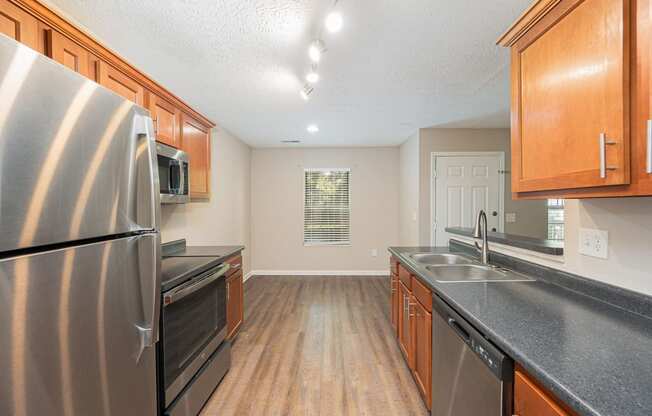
point(493, 229)
point(495, 214)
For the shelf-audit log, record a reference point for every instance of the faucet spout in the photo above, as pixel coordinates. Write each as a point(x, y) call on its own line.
point(480, 232)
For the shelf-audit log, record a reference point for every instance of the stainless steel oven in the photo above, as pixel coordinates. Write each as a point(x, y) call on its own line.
point(193, 328)
point(173, 171)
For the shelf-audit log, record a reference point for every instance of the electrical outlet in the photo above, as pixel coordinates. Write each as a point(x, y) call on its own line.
point(594, 243)
point(510, 217)
point(374, 252)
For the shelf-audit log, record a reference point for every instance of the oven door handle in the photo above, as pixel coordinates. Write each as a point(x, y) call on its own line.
point(177, 294)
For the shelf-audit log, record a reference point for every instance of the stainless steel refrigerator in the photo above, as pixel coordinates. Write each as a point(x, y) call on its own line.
point(79, 244)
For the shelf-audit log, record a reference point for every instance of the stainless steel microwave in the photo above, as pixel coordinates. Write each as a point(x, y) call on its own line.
point(174, 174)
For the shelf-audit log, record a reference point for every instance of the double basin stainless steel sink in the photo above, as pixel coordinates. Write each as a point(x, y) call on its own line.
point(456, 268)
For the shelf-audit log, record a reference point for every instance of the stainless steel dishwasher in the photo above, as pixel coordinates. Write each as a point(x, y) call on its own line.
point(470, 376)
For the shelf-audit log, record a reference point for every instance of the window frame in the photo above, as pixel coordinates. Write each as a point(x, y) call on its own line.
point(559, 205)
point(322, 243)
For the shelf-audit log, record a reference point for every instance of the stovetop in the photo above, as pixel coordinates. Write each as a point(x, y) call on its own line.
point(177, 270)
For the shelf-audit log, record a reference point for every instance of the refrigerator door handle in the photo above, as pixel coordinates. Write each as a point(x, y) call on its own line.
point(150, 289)
point(148, 211)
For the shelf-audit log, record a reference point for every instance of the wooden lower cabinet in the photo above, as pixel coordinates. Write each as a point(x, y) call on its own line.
point(394, 301)
point(414, 321)
point(234, 304)
point(405, 324)
point(423, 351)
point(532, 400)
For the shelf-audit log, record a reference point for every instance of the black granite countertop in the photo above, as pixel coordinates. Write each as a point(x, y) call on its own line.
point(555, 248)
point(592, 355)
point(178, 248)
point(178, 270)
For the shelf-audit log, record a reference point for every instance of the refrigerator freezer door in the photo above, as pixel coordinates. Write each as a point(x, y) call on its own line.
point(70, 337)
point(76, 160)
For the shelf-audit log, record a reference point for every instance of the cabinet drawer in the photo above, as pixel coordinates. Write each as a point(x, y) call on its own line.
point(530, 400)
point(422, 294)
point(235, 263)
point(404, 276)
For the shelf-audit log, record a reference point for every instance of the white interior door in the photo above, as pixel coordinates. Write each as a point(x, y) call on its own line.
point(463, 186)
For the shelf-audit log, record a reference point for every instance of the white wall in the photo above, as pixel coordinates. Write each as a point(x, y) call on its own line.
point(409, 192)
point(226, 218)
point(277, 209)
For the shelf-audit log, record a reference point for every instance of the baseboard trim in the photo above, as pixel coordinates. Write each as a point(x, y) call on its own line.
point(317, 273)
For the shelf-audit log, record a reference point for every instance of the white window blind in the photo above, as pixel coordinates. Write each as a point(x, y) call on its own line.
point(327, 207)
point(556, 219)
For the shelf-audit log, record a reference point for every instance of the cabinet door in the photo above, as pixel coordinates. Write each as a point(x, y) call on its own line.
point(530, 400)
point(405, 327)
point(423, 351)
point(196, 141)
point(167, 121)
point(570, 98)
point(234, 304)
point(119, 83)
point(394, 302)
point(67, 52)
point(18, 25)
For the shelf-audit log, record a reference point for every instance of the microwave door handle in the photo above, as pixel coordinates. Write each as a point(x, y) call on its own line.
point(182, 178)
point(174, 164)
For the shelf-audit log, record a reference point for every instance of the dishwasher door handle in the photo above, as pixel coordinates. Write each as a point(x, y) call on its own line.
point(461, 332)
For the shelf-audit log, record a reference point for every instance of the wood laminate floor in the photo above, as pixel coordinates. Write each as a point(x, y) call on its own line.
point(316, 346)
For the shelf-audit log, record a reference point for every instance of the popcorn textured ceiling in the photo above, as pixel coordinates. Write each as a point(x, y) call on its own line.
point(396, 66)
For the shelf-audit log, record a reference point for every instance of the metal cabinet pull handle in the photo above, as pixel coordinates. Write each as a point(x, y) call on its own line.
point(603, 155)
point(648, 167)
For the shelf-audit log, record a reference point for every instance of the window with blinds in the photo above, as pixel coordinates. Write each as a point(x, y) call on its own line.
point(327, 207)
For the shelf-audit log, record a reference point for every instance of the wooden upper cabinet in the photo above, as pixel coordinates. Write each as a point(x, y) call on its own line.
point(18, 24)
point(68, 53)
point(196, 141)
point(570, 95)
point(167, 121)
point(120, 83)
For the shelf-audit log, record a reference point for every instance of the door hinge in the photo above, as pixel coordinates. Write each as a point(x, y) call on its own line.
point(434, 174)
point(434, 225)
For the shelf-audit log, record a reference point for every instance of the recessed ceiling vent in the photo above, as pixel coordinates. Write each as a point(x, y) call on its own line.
point(291, 141)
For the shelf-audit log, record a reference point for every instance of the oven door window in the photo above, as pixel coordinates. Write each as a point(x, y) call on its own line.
point(189, 324)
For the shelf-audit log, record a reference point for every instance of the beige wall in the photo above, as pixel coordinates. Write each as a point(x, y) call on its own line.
point(409, 191)
point(531, 215)
point(629, 223)
point(226, 218)
point(277, 209)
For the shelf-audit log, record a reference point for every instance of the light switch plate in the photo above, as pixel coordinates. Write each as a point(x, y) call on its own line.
point(374, 252)
point(594, 243)
point(510, 217)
